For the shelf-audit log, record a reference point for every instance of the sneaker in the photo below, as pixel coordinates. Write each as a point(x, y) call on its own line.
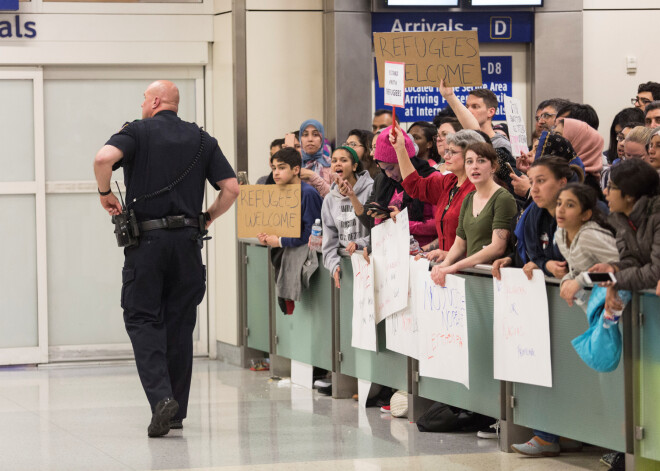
point(492, 431)
point(160, 420)
point(399, 404)
point(322, 383)
point(616, 461)
point(535, 449)
point(567, 445)
point(385, 409)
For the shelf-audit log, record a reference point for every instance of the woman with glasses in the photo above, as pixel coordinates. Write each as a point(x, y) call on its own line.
point(447, 126)
point(626, 115)
point(446, 191)
point(619, 149)
point(360, 141)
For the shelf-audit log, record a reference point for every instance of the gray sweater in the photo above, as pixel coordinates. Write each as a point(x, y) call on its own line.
point(638, 241)
point(340, 224)
point(591, 245)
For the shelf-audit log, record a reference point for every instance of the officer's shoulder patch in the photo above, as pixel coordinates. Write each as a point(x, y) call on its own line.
point(127, 123)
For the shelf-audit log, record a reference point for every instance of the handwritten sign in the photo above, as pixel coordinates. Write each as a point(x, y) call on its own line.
point(391, 248)
point(516, 123)
point(452, 56)
point(401, 328)
point(364, 305)
point(394, 86)
point(521, 329)
point(270, 209)
point(442, 319)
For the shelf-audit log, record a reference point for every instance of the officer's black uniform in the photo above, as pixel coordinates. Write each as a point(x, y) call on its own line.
point(163, 279)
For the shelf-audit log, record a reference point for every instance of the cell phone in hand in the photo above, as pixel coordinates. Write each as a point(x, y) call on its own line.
point(510, 167)
point(382, 213)
point(595, 278)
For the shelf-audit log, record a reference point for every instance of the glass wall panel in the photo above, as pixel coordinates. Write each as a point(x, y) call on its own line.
point(17, 131)
point(18, 276)
point(84, 273)
point(81, 115)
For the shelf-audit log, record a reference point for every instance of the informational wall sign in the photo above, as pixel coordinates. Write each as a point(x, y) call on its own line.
point(15, 27)
point(394, 86)
point(431, 56)
point(269, 209)
point(515, 27)
point(423, 103)
point(9, 5)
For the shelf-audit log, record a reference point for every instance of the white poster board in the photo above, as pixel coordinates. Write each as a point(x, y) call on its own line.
point(521, 328)
point(364, 305)
point(516, 123)
point(390, 243)
point(442, 320)
point(394, 86)
point(401, 328)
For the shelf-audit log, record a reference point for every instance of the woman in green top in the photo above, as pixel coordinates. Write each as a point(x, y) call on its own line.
point(485, 219)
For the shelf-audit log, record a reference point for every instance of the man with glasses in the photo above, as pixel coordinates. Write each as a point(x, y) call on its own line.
point(646, 93)
point(546, 114)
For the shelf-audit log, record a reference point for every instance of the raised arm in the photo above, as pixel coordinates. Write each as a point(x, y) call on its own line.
point(467, 120)
point(405, 165)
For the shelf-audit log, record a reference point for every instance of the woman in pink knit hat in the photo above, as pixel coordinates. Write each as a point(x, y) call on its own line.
point(388, 193)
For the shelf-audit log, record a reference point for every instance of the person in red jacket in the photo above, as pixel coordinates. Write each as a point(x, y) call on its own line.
point(445, 191)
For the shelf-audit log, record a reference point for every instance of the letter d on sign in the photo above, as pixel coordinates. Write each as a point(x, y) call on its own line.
point(500, 27)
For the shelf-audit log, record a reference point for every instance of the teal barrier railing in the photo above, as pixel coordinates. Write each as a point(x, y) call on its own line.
point(582, 404)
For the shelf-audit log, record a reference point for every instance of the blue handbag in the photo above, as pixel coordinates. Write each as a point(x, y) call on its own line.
point(600, 348)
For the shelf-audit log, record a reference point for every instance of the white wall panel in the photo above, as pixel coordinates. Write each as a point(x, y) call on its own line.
point(607, 85)
point(285, 78)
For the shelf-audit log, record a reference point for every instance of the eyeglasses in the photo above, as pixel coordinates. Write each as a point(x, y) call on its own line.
point(544, 116)
point(452, 152)
point(441, 136)
point(620, 137)
point(352, 144)
point(640, 100)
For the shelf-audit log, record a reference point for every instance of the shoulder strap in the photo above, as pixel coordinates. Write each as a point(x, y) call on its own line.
point(178, 180)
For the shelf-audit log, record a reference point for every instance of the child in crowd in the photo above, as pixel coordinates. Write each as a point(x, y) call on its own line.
point(535, 230)
point(485, 218)
point(286, 171)
point(350, 191)
point(291, 263)
point(388, 192)
point(634, 203)
point(583, 236)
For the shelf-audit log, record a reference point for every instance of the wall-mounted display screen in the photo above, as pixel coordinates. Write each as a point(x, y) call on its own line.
point(507, 3)
point(422, 3)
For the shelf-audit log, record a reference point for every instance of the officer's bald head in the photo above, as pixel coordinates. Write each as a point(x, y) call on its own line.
point(160, 95)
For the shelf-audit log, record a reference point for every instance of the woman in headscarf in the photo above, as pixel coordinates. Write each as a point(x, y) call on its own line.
point(312, 139)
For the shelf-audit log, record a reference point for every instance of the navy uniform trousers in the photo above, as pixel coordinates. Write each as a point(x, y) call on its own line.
point(163, 282)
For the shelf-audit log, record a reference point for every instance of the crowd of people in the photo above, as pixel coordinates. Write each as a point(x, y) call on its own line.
point(568, 206)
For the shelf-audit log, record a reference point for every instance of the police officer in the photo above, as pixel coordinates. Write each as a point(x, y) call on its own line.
point(163, 279)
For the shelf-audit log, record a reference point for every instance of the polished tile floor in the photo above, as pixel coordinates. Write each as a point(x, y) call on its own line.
point(94, 417)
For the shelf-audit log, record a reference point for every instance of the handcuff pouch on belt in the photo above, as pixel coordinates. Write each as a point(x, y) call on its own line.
point(127, 230)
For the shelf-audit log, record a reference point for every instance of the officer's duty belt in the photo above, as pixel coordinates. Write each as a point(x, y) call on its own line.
point(169, 222)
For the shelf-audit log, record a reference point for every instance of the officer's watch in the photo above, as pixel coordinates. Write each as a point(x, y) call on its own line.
point(104, 193)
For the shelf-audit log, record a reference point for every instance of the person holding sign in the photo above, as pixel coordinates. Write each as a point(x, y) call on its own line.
point(388, 197)
point(446, 192)
point(286, 171)
point(341, 229)
point(484, 222)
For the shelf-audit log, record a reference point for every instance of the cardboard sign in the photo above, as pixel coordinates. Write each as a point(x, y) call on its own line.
point(269, 209)
point(394, 86)
point(521, 328)
point(391, 248)
point(452, 56)
point(516, 123)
